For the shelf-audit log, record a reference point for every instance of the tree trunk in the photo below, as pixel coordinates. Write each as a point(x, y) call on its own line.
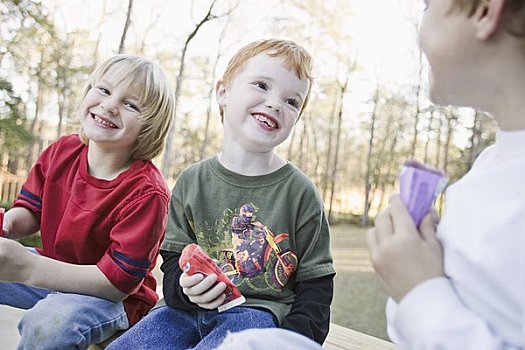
point(166, 159)
point(364, 217)
point(210, 94)
point(474, 139)
point(38, 106)
point(429, 132)
point(342, 92)
point(329, 150)
point(450, 133)
point(126, 27)
point(418, 108)
point(438, 142)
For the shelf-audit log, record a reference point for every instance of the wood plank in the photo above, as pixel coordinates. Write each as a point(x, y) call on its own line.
point(341, 338)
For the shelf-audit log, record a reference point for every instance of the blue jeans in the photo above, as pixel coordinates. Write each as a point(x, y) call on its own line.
point(62, 321)
point(170, 328)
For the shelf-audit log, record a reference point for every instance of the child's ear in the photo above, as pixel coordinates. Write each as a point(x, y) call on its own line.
point(220, 93)
point(488, 16)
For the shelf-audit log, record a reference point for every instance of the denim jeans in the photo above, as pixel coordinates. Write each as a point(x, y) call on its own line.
point(62, 321)
point(170, 328)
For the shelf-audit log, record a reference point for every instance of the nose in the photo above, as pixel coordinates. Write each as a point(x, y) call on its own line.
point(274, 103)
point(110, 106)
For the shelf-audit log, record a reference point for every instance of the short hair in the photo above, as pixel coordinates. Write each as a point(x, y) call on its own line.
point(155, 98)
point(512, 6)
point(295, 57)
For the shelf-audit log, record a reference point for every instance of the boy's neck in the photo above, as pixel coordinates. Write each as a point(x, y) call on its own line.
point(106, 165)
point(251, 164)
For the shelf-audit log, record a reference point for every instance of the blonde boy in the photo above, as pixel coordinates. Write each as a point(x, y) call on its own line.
point(101, 207)
point(464, 288)
point(257, 214)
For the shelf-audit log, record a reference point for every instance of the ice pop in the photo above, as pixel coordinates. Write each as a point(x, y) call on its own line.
point(2, 212)
point(194, 260)
point(419, 186)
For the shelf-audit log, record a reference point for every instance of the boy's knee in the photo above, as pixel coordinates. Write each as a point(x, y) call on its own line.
point(41, 328)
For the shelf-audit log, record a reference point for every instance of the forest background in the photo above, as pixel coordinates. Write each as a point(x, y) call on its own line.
point(368, 114)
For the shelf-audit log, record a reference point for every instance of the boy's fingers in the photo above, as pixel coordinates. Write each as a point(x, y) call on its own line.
point(210, 297)
point(428, 226)
point(383, 226)
point(371, 241)
point(187, 281)
point(214, 303)
point(202, 286)
point(401, 219)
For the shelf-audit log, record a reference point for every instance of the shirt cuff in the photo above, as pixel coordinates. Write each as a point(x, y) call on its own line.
point(424, 305)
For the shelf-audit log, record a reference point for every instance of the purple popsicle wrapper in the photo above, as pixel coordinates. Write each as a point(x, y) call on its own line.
point(419, 187)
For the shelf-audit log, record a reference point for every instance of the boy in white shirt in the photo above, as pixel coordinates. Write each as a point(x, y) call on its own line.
point(464, 286)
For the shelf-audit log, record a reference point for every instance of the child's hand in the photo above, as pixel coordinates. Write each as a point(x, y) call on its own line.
point(402, 256)
point(5, 231)
point(6, 227)
point(203, 291)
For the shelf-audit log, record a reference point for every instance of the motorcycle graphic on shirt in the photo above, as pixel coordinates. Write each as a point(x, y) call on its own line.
point(257, 250)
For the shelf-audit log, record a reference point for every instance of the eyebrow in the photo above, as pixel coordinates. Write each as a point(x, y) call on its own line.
point(271, 79)
point(110, 84)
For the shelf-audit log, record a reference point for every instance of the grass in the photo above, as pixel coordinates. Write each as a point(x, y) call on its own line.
point(31, 241)
point(358, 298)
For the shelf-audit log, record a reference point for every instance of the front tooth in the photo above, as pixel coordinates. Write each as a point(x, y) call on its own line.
point(265, 119)
point(103, 122)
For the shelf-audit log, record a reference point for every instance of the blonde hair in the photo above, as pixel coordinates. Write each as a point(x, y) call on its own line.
point(156, 99)
point(295, 58)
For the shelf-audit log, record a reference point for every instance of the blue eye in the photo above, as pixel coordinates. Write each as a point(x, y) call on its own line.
point(103, 90)
point(261, 85)
point(293, 102)
point(132, 106)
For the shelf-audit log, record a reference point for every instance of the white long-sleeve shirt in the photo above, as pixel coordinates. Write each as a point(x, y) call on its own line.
point(480, 305)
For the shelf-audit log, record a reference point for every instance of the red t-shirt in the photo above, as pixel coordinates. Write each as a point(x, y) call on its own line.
point(117, 225)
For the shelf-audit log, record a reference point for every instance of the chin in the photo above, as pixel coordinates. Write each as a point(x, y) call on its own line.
point(438, 98)
point(434, 98)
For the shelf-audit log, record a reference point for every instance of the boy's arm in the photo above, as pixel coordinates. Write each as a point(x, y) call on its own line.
point(19, 222)
point(17, 264)
point(173, 295)
point(310, 313)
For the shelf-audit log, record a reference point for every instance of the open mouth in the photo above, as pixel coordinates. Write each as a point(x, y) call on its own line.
point(103, 122)
point(266, 119)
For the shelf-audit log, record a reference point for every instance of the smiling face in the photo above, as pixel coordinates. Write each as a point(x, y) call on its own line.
point(261, 104)
point(109, 115)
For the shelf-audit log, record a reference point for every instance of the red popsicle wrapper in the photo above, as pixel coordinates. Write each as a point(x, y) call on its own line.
point(194, 260)
point(419, 186)
point(2, 212)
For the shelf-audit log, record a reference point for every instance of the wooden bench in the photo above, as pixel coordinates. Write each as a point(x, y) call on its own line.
point(339, 338)
point(347, 339)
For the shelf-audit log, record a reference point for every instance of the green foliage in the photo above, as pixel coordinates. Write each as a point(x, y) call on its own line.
point(12, 123)
point(32, 241)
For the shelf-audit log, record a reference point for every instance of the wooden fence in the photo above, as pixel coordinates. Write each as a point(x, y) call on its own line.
point(10, 186)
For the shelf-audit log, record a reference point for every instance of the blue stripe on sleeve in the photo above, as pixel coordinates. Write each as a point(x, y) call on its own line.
point(137, 263)
point(138, 274)
point(30, 198)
